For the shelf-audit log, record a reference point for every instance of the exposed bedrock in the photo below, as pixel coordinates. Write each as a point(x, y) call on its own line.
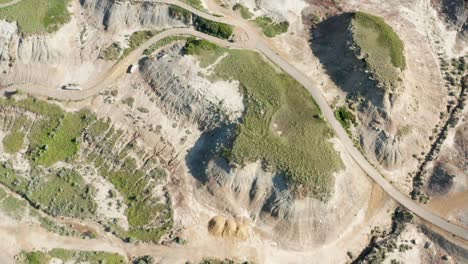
point(116, 14)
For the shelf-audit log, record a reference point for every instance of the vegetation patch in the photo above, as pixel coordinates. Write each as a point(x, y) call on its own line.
point(346, 117)
point(201, 24)
point(180, 14)
point(163, 42)
point(61, 193)
point(243, 10)
point(270, 27)
point(13, 207)
point(70, 256)
point(383, 50)
point(207, 52)
point(13, 142)
point(195, 3)
point(137, 38)
point(210, 27)
point(56, 136)
point(282, 125)
point(37, 16)
point(112, 52)
point(143, 210)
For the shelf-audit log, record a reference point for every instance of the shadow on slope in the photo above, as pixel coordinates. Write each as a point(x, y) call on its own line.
point(332, 43)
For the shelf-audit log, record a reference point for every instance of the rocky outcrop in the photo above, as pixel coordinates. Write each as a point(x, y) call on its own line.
point(384, 147)
point(184, 94)
point(115, 14)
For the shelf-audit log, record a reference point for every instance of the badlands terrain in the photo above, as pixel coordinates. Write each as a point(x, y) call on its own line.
point(233, 131)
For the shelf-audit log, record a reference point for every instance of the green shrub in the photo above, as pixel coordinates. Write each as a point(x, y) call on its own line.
point(207, 52)
point(210, 27)
point(195, 3)
point(137, 38)
point(271, 28)
point(180, 14)
point(345, 117)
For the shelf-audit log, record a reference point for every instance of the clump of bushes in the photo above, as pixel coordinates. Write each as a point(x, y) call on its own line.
point(270, 27)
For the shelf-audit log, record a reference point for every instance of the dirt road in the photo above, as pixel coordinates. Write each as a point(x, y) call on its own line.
point(254, 42)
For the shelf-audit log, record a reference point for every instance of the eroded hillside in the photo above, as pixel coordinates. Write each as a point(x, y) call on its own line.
point(161, 132)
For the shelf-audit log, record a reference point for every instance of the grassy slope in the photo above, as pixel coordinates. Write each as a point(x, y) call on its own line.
point(71, 256)
point(195, 3)
point(384, 48)
point(56, 137)
point(276, 102)
point(243, 10)
point(270, 27)
point(37, 16)
point(13, 142)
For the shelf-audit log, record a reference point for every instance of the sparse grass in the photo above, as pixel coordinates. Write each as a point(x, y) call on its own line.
point(37, 16)
point(244, 11)
point(135, 185)
point(5, 1)
point(383, 47)
point(270, 27)
point(36, 257)
point(138, 38)
point(207, 52)
point(163, 42)
point(13, 142)
point(195, 3)
point(17, 209)
point(56, 136)
point(63, 193)
point(71, 256)
point(180, 14)
point(60, 193)
point(58, 139)
point(112, 52)
point(13, 207)
point(130, 101)
point(282, 125)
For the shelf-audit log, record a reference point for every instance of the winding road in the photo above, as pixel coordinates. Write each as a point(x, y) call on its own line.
point(254, 42)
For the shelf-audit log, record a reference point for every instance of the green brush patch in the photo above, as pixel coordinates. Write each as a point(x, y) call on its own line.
point(57, 134)
point(383, 49)
point(71, 256)
point(137, 38)
point(195, 3)
point(345, 117)
point(60, 193)
point(13, 142)
point(282, 125)
point(163, 42)
point(206, 51)
point(136, 186)
point(270, 27)
point(244, 11)
point(38, 16)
